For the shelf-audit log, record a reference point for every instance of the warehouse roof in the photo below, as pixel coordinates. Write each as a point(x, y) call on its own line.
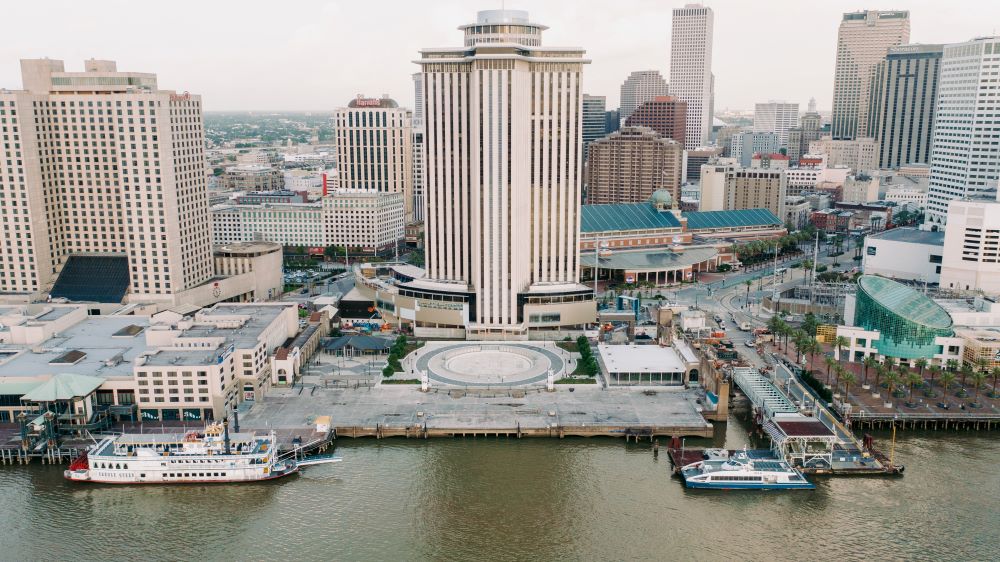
point(698, 220)
point(624, 216)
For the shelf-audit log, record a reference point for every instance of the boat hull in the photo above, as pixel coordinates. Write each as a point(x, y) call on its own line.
point(88, 480)
point(746, 486)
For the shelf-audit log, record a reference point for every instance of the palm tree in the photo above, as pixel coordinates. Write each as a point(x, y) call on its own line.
point(848, 378)
point(830, 362)
point(977, 382)
point(838, 372)
point(892, 379)
point(839, 343)
point(889, 363)
point(748, 283)
point(947, 378)
point(880, 372)
point(814, 348)
point(934, 370)
point(921, 364)
point(951, 365)
point(995, 373)
point(868, 363)
point(965, 370)
point(912, 380)
point(774, 325)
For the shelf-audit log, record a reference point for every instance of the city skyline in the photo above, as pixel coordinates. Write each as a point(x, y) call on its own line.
point(285, 46)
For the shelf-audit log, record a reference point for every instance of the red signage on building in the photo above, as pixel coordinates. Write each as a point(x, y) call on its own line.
point(367, 102)
point(180, 97)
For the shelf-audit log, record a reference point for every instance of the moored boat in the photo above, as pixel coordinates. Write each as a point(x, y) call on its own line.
point(209, 456)
point(740, 471)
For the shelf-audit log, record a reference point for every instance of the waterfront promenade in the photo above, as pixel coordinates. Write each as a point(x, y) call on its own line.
point(403, 410)
point(927, 404)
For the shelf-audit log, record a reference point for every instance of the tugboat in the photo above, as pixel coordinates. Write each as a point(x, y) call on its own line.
point(209, 456)
point(741, 472)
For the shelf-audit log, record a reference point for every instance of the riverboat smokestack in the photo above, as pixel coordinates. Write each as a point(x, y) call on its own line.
point(225, 433)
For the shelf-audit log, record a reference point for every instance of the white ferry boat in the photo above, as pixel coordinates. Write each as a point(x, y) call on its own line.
point(742, 472)
point(211, 455)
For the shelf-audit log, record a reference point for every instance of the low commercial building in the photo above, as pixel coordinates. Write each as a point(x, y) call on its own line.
point(252, 177)
point(893, 320)
point(647, 365)
point(171, 366)
point(860, 154)
point(905, 254)
point(655, 243)
point(288, 224)
point(367, 220)
point(405, 299)
point(972, 246)
point(266, 197)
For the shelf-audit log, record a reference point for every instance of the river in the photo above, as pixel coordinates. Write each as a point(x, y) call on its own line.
point(528, 499)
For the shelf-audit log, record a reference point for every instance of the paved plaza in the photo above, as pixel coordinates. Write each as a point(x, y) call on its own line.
point(398, 406)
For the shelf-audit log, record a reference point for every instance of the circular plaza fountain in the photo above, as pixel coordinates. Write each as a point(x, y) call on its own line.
point(488, 364)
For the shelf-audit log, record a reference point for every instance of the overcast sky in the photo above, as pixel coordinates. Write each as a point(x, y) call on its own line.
point(316, 55)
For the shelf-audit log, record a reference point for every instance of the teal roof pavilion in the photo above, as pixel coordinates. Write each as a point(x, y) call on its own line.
point(624, 216)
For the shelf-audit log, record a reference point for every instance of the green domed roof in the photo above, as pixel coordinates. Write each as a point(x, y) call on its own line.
point(662, 197)
point(905, 302)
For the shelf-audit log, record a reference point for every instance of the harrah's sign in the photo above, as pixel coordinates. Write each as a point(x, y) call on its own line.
point(361, 101)
point(180, 97)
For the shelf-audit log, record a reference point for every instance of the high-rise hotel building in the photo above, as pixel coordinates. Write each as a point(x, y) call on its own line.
point(503, 119)
point(863, 41)
point(965, 158)
point(102, 162)
point(374, 143)
point(901, 112)
point(691, 79)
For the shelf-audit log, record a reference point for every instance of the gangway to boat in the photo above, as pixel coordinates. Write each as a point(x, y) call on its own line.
point(319, 459)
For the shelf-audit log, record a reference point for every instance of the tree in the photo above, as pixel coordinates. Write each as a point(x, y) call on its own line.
point(951, 365)
point(748, 283)
point(814, 348)
point(840, 343)
point(934, 371)
point(880, 372)
point(921, 364)
point(995, 373)
point(977, 382)
point(947, 378)
point(830, 362)
point(869, 362)
point(809, 323)
point(964, 371)
point(892, 380)
point(848, 378)
point(913, 380)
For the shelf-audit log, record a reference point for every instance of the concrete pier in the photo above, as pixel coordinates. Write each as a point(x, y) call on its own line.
point(404, 411)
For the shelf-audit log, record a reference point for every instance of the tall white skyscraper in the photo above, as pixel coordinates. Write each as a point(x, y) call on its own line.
point(419, 156)
point(504, 147)
point(102, 163)
point(640, 86)
point(776, 117)
point(863, 41)
point(374, 148)
point(964, 158)
point(691, 77)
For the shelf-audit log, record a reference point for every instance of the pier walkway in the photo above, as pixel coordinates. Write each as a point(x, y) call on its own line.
point(402, 410)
